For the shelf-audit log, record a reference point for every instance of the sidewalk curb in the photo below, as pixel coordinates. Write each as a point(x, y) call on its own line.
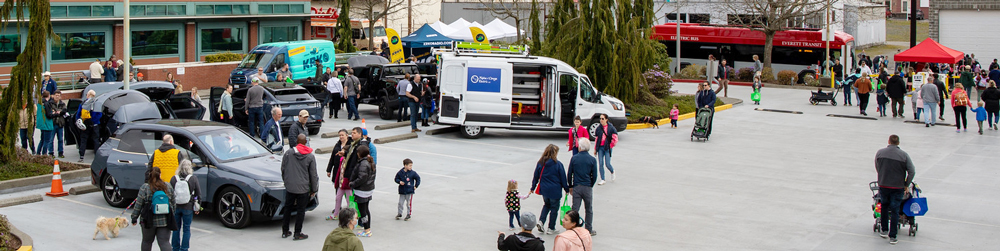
point(43, 179)
point(20, 200)
point(392, 125)
point(26, 241)
point(764, 85)
point(689, 115)
point(395, 138)
point(84, 189)
point(325, 150)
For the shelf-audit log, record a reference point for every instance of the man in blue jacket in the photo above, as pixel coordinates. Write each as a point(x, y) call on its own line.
point(582, 175)
point(271, 132)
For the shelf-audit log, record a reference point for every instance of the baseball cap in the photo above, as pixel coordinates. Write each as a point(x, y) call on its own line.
point(46, 74)
point(527, 220)
point(303, 113)
point(364, 132)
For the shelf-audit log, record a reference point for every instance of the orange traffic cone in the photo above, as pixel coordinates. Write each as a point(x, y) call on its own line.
point(57, 188)
point(363, 124)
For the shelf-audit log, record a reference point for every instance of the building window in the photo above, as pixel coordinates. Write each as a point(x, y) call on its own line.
point(223, 9)
point(83, 45)
point(280, 34)
point(161, 42)
point(79, 11)
point(280, 8)
point(103, 11)
point(84, 11)
point(906, 6)
point(10, 47)
point(222, 39)
point(58, 11)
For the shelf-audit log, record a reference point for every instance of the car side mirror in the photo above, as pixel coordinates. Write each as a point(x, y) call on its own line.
point(197, 163)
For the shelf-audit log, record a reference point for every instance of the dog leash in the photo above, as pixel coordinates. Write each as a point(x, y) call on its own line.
point(123, 211)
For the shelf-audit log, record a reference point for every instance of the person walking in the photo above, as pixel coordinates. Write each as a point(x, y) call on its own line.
point(757, 66)
point(90, 119)
point(942, 95)
point(167, 158)
point(929, 95)
point(155, 225)
point(575, 238)
point(864, 86)
point(255, 107)
point(967, 79)
point(605, 140)
point(271, 132)
point(334, 171)
point(524, 240)
point(575, 134)
point(363, 183)
point(334, 98)
point(916, 102)
point(59, 121)
point(343, 238)
point(352, 87)
point(43, 122)
point(26, 135)
point(959, 103)
point(298, 172)
point(723, 78)
point(895, 173)
point(980, 115)
point(426, 103)
point(991, 98)
point(897, 92)
point(513, 203)
point(298, 127)
point(187, 204)
point(401, 90)
point(225, 109)
point(408, 181)
point(413, 92)
point(582, 175)
point(319, 71)
point(549, 181)
point(96, 71)
point(848, 86)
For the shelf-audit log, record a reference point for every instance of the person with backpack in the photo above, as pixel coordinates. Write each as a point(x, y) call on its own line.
point(187, 198)
point(155, 204)
point(960, 103)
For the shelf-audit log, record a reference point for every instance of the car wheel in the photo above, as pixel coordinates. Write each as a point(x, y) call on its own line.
point(472, 132)
point(594, 124)
point(383, 108)
point(313, 131)
point(233, 208)
point(112, 192)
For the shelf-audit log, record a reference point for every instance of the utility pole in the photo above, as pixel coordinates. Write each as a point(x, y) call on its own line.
point(677, 12)
point(913, 23)
point(829, 36)
point(409, 16)
point(127, 41)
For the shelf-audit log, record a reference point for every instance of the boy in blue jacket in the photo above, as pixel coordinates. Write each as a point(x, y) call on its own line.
point(980, 115)
point(408, 181)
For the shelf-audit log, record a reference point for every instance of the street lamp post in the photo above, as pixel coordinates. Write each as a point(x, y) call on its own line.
point(127, 43)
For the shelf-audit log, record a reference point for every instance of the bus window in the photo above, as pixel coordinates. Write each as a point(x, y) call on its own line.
point(587, 91)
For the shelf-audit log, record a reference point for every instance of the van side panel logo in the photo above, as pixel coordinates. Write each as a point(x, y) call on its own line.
point(483, 80)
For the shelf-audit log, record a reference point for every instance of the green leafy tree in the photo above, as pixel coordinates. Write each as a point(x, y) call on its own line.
point(536, 26)
point(25, 76)
point(346, 36)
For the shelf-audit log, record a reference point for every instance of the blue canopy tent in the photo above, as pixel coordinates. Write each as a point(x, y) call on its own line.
point(420, 42)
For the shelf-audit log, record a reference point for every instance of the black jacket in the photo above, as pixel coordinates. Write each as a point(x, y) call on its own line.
point(942, 92)
point(293, 133)
point(896, 88)
point(363, 177)
point(991, 96)
point(334, 165)
point(520, 242)
point(895, 168)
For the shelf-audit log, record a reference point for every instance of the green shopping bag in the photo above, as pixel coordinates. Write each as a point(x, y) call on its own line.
point(755, 96)
point(565, 208)
point(353, 204)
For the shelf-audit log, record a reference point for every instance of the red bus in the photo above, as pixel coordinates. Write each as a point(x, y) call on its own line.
point(793, 49)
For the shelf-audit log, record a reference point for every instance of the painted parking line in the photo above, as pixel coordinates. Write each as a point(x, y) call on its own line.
point(488, 144)
point(438, 175)
point(116, 211)
point(444, 155)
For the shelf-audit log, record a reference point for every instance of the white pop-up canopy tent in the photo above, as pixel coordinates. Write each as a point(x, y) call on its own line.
point(460, 29)
point(506, 29)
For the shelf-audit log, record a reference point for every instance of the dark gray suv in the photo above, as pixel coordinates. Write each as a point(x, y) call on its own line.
point(240, 178)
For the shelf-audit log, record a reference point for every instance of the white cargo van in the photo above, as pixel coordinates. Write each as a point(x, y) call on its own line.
point(516, 91)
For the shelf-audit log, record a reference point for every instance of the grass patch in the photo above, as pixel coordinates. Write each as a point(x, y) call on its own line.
point(685, 103)
point(28, 165)
point(885, 49)
point(899, 30)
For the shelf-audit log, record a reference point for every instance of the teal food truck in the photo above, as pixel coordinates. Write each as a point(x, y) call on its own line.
point(300, 56)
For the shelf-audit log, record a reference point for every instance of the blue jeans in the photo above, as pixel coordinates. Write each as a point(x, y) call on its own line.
point(58, 132)
point(402, 108)
point(255, 120)
point(604, 158)
point(183, 217)
point(414, 112)
point(425, 112)
point(352, 107)
point(930, 109)
point(25, 140)
point(514, 215)
point(891, 198)
point(45, 144)
point(847, 94)
point(551, 208)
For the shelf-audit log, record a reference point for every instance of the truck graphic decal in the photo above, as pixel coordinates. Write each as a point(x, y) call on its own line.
point(483, 80)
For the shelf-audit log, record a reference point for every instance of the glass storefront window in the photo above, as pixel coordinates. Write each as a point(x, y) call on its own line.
point(296, 8)
point(58, 11)
point(281, 8)
point(160, 42)
point(265, 9)
point(222, 39)
point(280, 34)
point(82, 45)
point(175, 10)
point(205, 10)
point(79, 11)
point(137, 10)
point(103, 11)
point(241, 9)
point(10, 47)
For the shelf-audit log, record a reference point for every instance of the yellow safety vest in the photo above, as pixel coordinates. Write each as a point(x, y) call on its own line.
point(167, 162)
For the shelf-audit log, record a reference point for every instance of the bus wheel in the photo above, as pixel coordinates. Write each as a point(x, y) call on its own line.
point(472, 132)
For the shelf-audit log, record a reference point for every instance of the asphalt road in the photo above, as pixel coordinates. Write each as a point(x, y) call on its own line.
point(764, 181)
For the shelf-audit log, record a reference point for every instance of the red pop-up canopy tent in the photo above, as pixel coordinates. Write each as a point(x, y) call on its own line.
point(929, 51)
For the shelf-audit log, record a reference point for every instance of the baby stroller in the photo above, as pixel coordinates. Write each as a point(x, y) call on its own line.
point(820, 96)
point(702, 124)
point(906, 218)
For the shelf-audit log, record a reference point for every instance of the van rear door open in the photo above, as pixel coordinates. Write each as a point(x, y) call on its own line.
point(487, 98)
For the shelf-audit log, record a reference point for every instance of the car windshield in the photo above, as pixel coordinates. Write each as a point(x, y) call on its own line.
point(253, 60)
point(379, 31)
point(292, 94)
point(400, 70)
point(230, 144)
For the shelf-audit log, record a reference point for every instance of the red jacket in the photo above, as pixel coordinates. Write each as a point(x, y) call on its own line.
point(581, 132)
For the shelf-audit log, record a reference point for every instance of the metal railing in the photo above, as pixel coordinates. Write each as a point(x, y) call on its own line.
point(65, 80)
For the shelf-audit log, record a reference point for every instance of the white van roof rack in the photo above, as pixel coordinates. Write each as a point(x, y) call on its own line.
point(485, 49)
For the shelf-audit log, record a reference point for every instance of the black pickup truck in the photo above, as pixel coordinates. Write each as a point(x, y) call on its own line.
point(378, 82)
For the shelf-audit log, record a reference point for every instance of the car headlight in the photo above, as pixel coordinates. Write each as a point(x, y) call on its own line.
point(271, 184)
point(617, 106)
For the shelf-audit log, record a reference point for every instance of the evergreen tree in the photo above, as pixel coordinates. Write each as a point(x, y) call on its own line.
point(346, 42)
point(536, 25)
point(25, 76)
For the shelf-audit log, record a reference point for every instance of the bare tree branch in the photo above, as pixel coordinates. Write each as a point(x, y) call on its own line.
point(771, 16)
point(519, 10)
